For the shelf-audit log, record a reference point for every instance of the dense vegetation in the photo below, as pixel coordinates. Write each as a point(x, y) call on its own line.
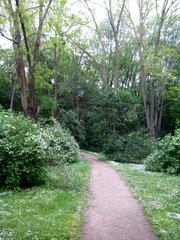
point(166, 158)
point(116, 89)
point(26, 148)
point(102, 75)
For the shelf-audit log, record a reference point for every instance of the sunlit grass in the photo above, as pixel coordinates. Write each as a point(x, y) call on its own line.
point(159, 195)
point(51, 212)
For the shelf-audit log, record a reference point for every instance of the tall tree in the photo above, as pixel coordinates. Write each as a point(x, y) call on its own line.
point(114, 18)
point(154, 57)
point(27, 46)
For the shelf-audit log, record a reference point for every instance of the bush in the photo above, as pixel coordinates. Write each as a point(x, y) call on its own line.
point(22, 151)
point(131, 148)
point(71, 121)
point(166, 158)
point(62, 146)
point(26, 148)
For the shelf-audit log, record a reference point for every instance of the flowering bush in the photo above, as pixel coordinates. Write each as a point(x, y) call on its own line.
point(22, 151)
point(166, 157)
point(26, 147)
point(61, 145)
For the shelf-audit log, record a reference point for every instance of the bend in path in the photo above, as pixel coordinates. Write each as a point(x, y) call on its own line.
point(113, 213)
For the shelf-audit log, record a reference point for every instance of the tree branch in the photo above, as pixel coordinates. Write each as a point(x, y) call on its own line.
point(10, 39)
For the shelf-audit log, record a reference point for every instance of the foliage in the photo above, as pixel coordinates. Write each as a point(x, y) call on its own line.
point(172, 111)
point(22, 151)
point(77, 67)
point(132, 147)
point(7, 78)
point(62, 147)
point(71, 121)
point(25, 148)
point(159, 195)
point(52, 211)
point(84, 81)
point(166, 158)
point(108, 114)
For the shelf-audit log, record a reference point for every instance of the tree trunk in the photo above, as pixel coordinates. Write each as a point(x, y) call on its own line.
point(12, 95)
point(55, 112)
point(116, 65)
point(20, 69)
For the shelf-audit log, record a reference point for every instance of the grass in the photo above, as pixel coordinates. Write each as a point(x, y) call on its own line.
point(159, 194)
point(53, 211)
point(102, 157)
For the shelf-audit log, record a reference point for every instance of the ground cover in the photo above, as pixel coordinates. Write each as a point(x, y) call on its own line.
point(159, 194)
point(53, 211)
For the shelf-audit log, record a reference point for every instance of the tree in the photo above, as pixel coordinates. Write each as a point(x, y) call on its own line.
point(27, 48)
point(106, 49)
point(154, 57)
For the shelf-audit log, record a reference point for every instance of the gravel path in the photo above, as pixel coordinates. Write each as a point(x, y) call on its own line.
point(113, 213)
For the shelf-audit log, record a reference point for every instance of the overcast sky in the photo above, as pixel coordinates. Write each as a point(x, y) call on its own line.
point(99, 9)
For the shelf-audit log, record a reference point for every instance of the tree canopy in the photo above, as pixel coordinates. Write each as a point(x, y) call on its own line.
point(65, 56)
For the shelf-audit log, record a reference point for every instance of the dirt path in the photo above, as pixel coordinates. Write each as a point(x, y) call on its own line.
point(113, 213)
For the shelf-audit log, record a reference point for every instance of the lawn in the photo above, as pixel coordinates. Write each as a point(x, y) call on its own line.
point(53, 211)
point(159, 194)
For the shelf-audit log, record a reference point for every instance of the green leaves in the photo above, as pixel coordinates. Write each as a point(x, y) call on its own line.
point(166, 157)
point(62, 147)
point(157, 65)
point(26, 148)
point(22, 151)
point(129, 148)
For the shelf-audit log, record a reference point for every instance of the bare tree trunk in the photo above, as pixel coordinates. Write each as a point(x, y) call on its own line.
point(20, 69)
point(116, 67)
point(104, 70)
point(115, 27)
point(12, 95)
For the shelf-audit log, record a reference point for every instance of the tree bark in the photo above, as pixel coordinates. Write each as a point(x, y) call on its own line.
point(12, 95)
point(20, 66)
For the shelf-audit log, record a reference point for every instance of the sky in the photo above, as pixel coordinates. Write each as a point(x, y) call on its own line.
point(99, 10)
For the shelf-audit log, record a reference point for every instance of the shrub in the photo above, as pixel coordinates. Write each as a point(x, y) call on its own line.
point(26, 148)
point(166, 157)
point(133, 147)
point(71, 121)
point(22, 151)
point(61, 145)
point(114, 146)
point(138, 146)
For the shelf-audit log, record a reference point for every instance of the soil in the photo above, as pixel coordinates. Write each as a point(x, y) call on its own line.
point(112, 213)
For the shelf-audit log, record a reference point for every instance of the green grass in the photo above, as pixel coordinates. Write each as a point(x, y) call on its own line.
point(159, 195)
point(102, 157)
point(53, 211)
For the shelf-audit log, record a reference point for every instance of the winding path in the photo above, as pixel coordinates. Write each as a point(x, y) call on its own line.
point(113, 213)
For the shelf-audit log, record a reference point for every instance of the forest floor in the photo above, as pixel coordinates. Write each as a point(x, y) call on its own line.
point(113, 213)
